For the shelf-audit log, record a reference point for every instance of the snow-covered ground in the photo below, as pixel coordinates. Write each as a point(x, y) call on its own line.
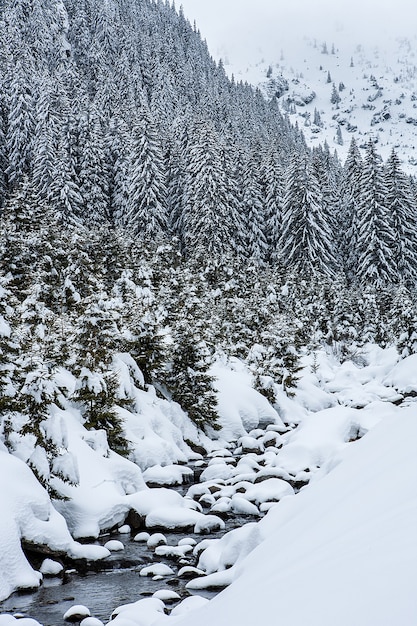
point(342, 550)
point(108, 486)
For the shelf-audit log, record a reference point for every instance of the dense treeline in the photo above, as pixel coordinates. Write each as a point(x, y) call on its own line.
point(114, 113)
point(93, 295)
point(152, 207)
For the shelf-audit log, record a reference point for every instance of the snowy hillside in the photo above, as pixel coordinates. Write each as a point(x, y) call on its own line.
point(208, 322)
point(354, 449)
point(337, 89)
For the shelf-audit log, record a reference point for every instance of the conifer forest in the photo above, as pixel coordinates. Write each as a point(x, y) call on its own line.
point(151, 206)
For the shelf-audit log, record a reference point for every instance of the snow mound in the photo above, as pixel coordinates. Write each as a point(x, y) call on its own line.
point(27, 513)
point(331, 543)
point(241, 408)
point(403, 376)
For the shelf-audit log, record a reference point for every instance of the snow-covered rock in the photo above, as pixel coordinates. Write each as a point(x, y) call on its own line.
point(156, 569)
point(169, 475)
point(51, 568)
point(114, 545)
point(26, 513)
point(76, 613)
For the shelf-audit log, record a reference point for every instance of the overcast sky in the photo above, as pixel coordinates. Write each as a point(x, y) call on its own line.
point(244, 28)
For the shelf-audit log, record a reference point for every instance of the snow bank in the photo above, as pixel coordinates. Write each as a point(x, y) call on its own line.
point(100, 500)
point(403, 376)
point(27, 514)
point(318, 438)
point(241, 408)
point(344, 549)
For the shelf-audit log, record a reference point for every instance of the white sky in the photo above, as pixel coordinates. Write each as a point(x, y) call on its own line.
point(246, 29)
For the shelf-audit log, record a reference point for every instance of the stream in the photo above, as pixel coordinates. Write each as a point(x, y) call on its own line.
point(120, 583)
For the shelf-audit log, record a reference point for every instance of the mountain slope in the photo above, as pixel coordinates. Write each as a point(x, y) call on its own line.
point(375, 96)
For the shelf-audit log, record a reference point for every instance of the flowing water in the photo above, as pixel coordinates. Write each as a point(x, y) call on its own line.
point(103, 591)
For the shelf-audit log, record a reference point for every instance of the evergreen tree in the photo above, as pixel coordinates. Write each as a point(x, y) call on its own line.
point(306, 240)
point(350, 197)
point(207, 223)
point(335, 97)
point(376, 261)
point(20, 122)
point(273, 186)
point(189, 381)
point(96, 391)
point(253, 210)
point(403, 211)
point(147, 215)
point(93, 170)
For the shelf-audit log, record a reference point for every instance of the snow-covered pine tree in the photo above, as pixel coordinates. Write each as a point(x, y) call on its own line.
point(403, 214)
point(306, 240)
point(8, 353)
point(189, 380)
point(207, 225)
point(253, 211)
point(375, 233)
point(96, 391)
point(147, 216)
point(348, 216)
point(65, 193)
point(335, 97)
point(21, 121)
point(272, 179)
point(93, 176)
point(117, 147)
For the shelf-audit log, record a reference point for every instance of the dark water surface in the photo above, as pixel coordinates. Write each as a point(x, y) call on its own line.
point(104, 591)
